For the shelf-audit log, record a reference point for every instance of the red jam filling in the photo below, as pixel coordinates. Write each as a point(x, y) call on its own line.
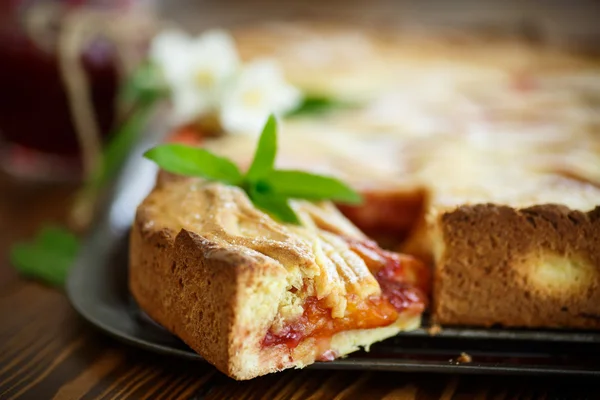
point(186, 134)
point(400, 293)
point(393, 269)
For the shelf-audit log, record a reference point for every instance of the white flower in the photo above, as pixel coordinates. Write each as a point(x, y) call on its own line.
point(259, 90)
point(195, 69)
point(206, 78)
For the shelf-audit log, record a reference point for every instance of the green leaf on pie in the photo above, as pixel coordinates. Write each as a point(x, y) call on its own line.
point(266, 150)
point(194, 161)
point(305, 185)
point(276, 206)
point(269, 189)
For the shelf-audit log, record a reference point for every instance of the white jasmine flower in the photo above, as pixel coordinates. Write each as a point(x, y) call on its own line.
point(195, 69)
point(259, 90)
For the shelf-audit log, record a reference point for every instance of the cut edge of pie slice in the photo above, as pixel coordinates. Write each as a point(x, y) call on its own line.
point(517, 257)
point(254, 296)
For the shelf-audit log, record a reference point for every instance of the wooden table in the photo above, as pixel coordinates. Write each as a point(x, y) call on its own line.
point(47, 351)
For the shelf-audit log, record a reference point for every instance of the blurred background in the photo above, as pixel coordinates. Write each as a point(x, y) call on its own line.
point(54, 107)
point(62, 63)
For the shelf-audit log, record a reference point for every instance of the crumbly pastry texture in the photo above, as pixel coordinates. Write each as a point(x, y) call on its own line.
point(223, 276)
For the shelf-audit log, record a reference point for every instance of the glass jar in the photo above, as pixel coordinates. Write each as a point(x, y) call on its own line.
point(58, 83)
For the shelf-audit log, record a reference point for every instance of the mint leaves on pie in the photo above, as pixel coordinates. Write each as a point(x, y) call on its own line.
point(267, 187)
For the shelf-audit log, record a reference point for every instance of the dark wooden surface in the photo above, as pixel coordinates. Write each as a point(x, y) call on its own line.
point(47, 351)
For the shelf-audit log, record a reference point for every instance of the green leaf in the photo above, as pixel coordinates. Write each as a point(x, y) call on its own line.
point(142, 90)
point(311, 105)
point(304, 185)
point(264, 156)
point(114, 155)
point(277, 206)
point(121, 142)
point(55, 237)
point(195, 161)
point(48, 257)
point(146, 81)
point(269, 189)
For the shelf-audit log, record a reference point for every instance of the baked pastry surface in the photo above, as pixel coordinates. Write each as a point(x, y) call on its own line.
point(470, 150)
point(254, 296)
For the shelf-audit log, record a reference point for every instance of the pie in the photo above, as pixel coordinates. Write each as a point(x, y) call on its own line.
point(253, 295)
point(479, 155)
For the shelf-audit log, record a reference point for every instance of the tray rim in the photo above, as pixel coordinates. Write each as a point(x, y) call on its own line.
point(348, 363)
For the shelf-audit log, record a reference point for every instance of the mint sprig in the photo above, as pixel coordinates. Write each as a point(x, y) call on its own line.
point(276, 206)
point(268, 188)
point(189, 161)
point(266, 151)
point(304, 185)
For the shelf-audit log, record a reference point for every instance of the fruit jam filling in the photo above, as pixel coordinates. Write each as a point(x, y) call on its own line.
point(403, 281)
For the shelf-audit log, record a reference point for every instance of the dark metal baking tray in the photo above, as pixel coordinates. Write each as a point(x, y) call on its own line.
point(97, 289)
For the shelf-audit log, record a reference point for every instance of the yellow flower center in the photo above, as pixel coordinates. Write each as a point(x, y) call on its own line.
point(204, 78)
point(252, 97)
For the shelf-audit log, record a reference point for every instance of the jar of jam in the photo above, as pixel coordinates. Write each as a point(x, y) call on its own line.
point(61, 66)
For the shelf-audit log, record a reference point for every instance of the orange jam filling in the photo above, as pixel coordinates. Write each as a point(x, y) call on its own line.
point(317, 322)
point(401, 293)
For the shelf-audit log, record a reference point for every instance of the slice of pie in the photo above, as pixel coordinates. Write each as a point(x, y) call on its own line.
point(254, 296)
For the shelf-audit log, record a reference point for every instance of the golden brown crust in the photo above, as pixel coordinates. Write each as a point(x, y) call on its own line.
point(219, 292)
point(195, 290)
point(172, 296)
point(220, 296)
point(532, 267)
